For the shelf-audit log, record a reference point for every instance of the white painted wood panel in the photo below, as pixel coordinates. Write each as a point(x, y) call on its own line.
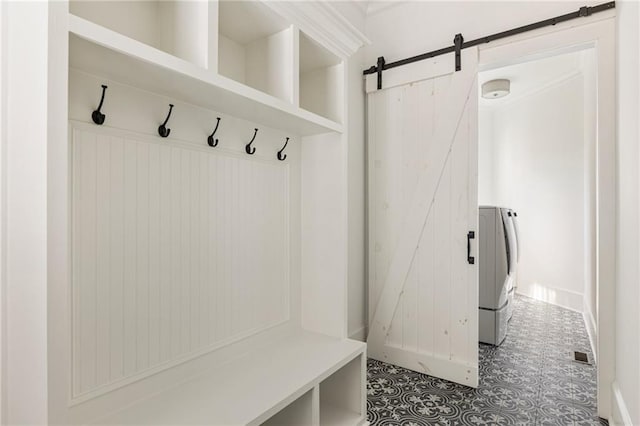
point(423, 201)
point(324, 234)
point(176, 250)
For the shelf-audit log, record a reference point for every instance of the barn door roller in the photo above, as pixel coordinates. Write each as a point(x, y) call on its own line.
point(457, 45)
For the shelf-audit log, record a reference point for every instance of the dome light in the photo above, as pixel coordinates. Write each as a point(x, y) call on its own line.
point(495, 89)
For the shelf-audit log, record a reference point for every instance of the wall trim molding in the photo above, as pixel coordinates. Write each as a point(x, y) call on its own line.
point(619, 414)
point(590, 324)
point(324, 24)
point(568, 299)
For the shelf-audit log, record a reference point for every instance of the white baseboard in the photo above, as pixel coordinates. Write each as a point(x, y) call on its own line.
point(590, 324)
point(359, 334)
point(620, 414)
point(556, 296)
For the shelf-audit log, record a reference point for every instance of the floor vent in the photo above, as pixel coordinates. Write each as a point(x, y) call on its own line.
point(581, 357)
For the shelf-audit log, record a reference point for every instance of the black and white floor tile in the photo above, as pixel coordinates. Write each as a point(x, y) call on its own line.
point(531, 379)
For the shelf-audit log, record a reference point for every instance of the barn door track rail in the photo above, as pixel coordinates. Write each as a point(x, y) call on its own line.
point(459, 43)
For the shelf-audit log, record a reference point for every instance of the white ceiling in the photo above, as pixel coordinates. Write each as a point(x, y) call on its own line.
point(374, 6)
point(530, 77)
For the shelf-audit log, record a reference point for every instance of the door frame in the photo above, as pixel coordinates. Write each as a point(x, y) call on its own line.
point(597, 32)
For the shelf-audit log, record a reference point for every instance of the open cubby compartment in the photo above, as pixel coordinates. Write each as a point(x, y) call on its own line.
point(255, 47)
point(321, 80)
point(299, 412)
point(341, 399)
point(180, 28)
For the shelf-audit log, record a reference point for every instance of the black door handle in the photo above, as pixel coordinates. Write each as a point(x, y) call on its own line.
point(470, 236)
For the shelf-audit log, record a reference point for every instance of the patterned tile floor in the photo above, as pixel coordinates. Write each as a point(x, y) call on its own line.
point(531, 379)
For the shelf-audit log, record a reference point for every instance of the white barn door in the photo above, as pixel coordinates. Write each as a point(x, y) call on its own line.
point(422, 148)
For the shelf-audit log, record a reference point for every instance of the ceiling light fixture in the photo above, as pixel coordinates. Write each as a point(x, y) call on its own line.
point(495, 89)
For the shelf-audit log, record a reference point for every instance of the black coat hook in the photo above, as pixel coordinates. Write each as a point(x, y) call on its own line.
point(213, 142)
point(97, 116)
point(248, 147)
point(162, 130)
point(280, 156)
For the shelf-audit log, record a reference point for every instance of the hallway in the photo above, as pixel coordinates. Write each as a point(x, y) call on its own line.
point(530, 379)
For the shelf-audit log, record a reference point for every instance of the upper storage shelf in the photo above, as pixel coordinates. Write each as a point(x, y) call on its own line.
point(176, 27)
point(321, 80)
point(255, 47)
point(143, 58)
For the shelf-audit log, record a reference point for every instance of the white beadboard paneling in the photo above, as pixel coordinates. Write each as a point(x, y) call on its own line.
point(129, 251)
point(86, 354)
point(177, 250)
point(142, 218)
point(103, 258)
point(116, 260)
point(154, 254)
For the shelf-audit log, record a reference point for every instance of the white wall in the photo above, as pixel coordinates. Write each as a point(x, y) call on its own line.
point(534, 158)
point(24, 212)
point(354, 12)
point(357, 224)
point(486, 181)
point(3, 138)
point(589, 72)
point(627, 385)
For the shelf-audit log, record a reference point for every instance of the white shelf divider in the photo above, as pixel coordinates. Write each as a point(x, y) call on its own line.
point(100, 51)
point(341, 395)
